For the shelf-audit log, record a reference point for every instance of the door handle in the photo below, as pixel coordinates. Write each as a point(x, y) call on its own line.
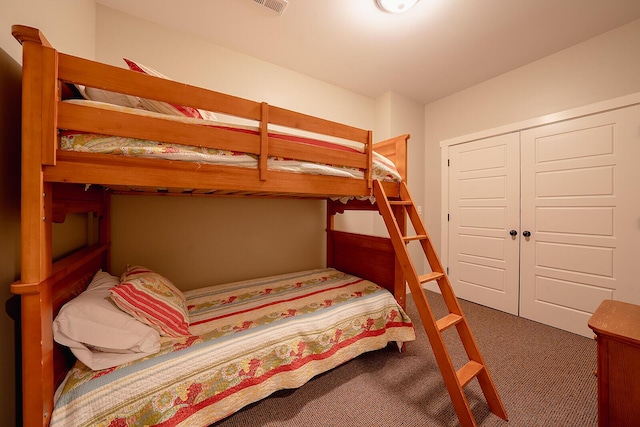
point(526, 233)
point(513, 233)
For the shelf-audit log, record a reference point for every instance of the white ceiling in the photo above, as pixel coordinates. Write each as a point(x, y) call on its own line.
point(436, 49)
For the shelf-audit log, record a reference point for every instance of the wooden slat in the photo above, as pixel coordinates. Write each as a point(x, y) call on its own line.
point(77, 199)
point(369, 152)
point(416, 237)
point(178, 190)
point(264, 142)
point(395, 149)
point(448, 321)
point(430, 277)
point(50, 91)
point(369, 257)
point(106, 170)
point(468, 372)
point(292, 119)
point(97, 120)
point(311, 153)
point(103, 76)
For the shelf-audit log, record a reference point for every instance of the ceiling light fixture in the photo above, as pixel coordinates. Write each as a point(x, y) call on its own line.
point(395, 6)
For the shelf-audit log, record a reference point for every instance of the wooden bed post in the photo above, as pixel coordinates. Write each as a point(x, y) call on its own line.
point(39, 83)
point(264, 141)
point(369, 176)
point(400, 283)
point(104, 224)
point(396, 150)
point(329, 231)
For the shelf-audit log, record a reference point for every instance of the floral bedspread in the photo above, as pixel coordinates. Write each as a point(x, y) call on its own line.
point(248, 340)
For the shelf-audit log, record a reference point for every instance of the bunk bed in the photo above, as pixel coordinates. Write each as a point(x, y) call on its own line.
point(61, 176)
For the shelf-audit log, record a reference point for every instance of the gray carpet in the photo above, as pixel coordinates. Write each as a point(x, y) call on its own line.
point(544, 377)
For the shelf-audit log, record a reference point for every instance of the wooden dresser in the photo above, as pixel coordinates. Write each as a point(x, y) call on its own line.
point(617, 328)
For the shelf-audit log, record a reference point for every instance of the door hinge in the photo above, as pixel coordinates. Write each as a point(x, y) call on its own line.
point(448, 162)
point(447, 217)
point(447, 271)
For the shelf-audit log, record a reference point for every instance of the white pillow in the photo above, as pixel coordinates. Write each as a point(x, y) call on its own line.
point(93, 94)
point(98, 333)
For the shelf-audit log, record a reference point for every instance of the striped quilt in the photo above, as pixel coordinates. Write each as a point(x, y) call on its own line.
point(248, 340)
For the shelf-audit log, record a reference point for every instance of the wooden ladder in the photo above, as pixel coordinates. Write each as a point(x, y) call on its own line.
point(393, 212)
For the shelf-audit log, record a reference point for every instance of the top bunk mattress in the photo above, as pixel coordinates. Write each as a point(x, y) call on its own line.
point(383, 168)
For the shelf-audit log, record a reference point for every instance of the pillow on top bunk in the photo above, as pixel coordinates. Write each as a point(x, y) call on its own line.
point(165, 107)
point(98, 333)
point(101, 95)
point(152, 299)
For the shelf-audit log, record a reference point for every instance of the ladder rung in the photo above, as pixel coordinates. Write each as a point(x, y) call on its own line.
point(400, 202)
point(429, 277)
point(448, 321)
point(469, 372)
point(418, 237)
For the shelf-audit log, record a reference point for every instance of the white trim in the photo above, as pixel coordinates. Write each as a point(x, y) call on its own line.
point(599, 107)
point(444, 210)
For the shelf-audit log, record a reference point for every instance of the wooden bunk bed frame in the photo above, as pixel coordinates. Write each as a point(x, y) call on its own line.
point(54, 184)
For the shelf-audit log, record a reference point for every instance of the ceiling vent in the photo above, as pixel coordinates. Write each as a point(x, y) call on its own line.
point(276, 5)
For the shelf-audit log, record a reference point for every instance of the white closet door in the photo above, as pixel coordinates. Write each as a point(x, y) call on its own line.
point(484, 180)
point(579, 190)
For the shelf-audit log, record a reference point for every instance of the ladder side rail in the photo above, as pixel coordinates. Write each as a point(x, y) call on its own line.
point(466, 337)
point(400, 286)
point(445, 364)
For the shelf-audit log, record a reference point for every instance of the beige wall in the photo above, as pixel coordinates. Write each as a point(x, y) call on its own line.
point(195, 61)
point(604, 67)
point(273, 236)
point(198, 241)
point(69, 25)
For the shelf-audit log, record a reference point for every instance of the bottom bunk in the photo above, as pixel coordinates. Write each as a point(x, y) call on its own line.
point(222, 347)
point(244, 341)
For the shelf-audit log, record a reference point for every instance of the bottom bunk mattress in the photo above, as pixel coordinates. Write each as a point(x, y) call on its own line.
point(248, 339)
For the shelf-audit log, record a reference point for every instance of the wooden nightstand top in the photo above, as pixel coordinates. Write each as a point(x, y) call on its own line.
point(617, 319)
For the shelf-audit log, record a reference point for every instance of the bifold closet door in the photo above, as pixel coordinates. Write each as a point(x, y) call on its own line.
point(580, 191)
point(484, 216)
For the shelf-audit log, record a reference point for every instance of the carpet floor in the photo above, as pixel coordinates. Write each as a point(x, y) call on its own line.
point(545, 377)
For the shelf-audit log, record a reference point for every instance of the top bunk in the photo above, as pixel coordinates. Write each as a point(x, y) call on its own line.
point(273, 152)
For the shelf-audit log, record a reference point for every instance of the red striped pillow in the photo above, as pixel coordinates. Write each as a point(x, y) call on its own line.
point(135, 271)
point(164, 107)
point(154, 300)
